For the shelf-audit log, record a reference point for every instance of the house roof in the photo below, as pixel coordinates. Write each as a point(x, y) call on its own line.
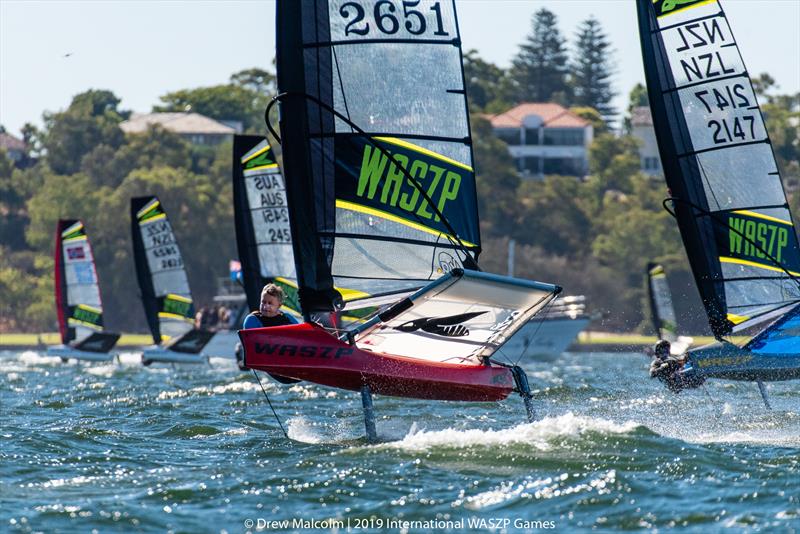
point(641, 116)
point(181, 123)
point(9, 142)
point(553, 116)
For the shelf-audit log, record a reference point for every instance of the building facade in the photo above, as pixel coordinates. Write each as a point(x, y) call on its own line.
point(195, 128)
point(545, 138)
point(642, 129)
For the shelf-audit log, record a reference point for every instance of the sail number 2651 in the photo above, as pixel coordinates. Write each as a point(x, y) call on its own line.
point(387, 18)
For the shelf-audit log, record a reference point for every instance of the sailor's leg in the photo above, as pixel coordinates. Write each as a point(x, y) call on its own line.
point(764, 396)
point(369, 414)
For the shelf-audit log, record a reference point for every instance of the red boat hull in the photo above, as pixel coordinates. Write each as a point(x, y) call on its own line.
point(307, 352)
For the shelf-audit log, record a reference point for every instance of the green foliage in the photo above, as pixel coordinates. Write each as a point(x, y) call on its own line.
point(91, 119)
point(590, 75)
point(497, 180)
point(539, 71)
point(636, 98)
point(593, 116)
point(487, 84)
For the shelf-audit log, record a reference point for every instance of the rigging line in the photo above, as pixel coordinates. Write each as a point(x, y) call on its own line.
point(341, 82)
point(715, 219)
point(270, 404)
point(704, 174)
point(468, 262)
point(539, 324)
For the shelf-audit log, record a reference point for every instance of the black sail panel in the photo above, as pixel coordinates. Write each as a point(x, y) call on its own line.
point(376, 145)
point(718, 162)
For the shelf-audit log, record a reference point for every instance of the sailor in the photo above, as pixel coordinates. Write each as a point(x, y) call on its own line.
point(671, 370)
point(269, 312)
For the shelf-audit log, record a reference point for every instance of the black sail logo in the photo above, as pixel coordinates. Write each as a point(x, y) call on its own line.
point(449, 326)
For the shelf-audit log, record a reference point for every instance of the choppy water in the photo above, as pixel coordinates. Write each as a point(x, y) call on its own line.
point(122, 448)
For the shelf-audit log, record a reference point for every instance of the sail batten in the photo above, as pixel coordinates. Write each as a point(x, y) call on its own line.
point(718, 162)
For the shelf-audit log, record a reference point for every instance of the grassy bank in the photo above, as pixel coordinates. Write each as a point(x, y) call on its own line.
point(52, 338)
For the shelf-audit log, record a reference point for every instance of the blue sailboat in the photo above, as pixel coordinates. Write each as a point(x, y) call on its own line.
point(726, 193)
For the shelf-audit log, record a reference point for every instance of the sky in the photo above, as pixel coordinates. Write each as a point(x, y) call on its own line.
point(142, 49)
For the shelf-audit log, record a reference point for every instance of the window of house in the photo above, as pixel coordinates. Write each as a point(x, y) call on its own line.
point(531, 136)
point(563, 136)
point(509, 135)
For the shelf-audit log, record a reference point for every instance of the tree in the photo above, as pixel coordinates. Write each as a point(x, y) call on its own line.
point(539, 71)
point(486, 83)
point(496, 179)
point(92, 119)
point(591, 69)
point(593, 116)
point(256, 80)
point(637, 98)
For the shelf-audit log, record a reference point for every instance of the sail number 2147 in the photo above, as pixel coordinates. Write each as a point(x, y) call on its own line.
point(386, 18)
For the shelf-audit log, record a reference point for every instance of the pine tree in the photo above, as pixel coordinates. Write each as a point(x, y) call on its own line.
point(591, 70)
point(539, 71)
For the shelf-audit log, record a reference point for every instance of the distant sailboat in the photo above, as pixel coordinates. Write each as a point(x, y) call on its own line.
point(78, 303)
point(381, 197)
point(164, 287)
point(726, 191)
point(665, 323)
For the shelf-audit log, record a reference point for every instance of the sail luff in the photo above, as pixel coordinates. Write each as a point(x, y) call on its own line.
point(62, 308)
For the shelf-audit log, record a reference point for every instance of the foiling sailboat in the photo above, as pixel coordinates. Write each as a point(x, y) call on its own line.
point(381, 199)
point(727, 194)
point(164, 287)
point(80, 310)
point(662, 311)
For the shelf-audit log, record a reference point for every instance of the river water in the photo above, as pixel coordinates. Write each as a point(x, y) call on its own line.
point(119, 447)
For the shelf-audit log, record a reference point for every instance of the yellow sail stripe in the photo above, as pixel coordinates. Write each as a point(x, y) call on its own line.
point(419, 149)
point(736, 319)
point(154, 218)
point(89, 308)
point(147, 207)
point(167, 315)
point(725, 259)
point(179, 298)
point(74, 239)
point(762, 216)
point(394, 218)
point(256, 153)
point(77, 322)
point(657, 272)
point(74, 228)
point(678, 10)
point(347, 294)
point(262, 167)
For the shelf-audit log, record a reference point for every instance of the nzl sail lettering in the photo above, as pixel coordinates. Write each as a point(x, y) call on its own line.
point(745, 233)
point(306, 351)
point(379, 178)
point(700, 45)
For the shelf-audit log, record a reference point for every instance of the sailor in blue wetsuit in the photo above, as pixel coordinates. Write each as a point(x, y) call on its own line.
point(269, 312)
point(671, 369)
